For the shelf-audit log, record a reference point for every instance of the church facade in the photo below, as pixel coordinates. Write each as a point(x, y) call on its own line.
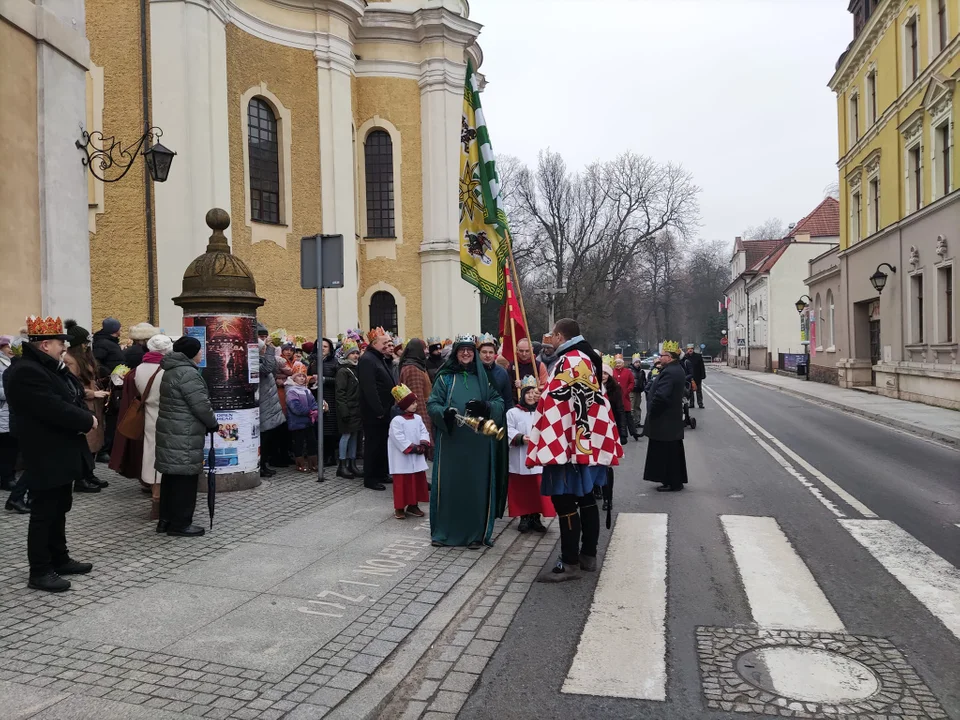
point(298, 117)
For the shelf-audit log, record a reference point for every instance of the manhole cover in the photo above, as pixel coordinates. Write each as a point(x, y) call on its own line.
point(808, 675)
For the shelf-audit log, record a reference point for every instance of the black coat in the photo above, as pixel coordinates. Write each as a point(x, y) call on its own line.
point(328, 385)
point(133, 355)
point(639, 379)
point(107, 351)
point(375, 373)
point(49, 418)
point(501, 382)
point(347, 391)
point(665, 404)
point(694, 366)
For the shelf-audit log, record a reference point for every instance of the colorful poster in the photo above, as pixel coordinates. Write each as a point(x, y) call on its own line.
point(253, 363)
point(200, 333)
point(226, 369)
point(237, 444)
point(791, 360)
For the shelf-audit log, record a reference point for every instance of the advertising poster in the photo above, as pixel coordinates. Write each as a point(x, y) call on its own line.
point(200, 333)
point(790, 361)
point(226, 369)
point(237, 445)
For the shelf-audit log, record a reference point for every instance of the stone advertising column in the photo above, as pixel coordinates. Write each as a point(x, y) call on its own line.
point(219, 302)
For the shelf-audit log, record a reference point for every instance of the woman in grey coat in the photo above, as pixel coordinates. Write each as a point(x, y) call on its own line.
point(183, 422)
point(271, 413)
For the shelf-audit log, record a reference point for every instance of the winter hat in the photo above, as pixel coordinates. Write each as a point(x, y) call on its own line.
point(404, 396)
point(6, 340)
point(262, 330)
point(187, 345)
point(111, 325)
point(78, 335)
point(142, 331)
point(308, 347)
point(161, 344)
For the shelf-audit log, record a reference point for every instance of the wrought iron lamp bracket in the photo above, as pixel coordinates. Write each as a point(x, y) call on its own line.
point(100, 152)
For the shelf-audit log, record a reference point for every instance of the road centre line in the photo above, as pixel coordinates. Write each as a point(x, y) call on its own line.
point(834, 487)
point(782, 461)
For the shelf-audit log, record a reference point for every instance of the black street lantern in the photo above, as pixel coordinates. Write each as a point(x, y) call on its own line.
point(801, 304)
point(105, 153)
point(879, 278)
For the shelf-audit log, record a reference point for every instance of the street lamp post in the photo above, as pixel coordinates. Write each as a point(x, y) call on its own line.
point(802, 305)
point(552, 294)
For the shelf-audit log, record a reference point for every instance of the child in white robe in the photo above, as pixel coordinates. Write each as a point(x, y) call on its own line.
point(406, 451)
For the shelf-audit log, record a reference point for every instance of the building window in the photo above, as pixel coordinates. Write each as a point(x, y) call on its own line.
point(378, 167)
point(383, 312)
point(941, 149)
point(914, 179)
point(871, 97)
point(945, 310)
point(830, 315)
point(264, 150)
point(818, 322)
point(873, 205)
point(854, 118)
point(856, 207)
point(916, 296)
point(941, 33)
point(912, 41)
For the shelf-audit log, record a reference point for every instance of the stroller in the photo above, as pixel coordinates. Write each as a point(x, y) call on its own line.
point(689, 387)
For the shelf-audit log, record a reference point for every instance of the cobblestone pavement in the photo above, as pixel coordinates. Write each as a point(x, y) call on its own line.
point(111, 530)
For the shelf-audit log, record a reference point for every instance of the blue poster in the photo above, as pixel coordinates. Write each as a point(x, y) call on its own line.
point(200, 333)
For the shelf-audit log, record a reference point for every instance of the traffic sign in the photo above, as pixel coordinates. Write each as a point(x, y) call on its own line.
point(723, 341)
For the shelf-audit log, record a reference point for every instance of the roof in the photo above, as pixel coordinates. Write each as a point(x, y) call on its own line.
point(757, 250)
point(824, 221)
point(765, 264)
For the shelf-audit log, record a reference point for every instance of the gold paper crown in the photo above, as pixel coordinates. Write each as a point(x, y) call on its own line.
point(487, 339)
point(670, 346)
point(608, 360)
point(48, 326)
point(636, 356)
point(349, 346)
point(400, 392)
point(528, 382)
point(618, 356)
point(375, 333)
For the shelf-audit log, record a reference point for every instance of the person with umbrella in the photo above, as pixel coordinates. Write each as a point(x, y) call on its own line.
point(185, 418)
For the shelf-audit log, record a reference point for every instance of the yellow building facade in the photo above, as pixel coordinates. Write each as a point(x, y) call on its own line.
point(896, 108)
point(298, 118)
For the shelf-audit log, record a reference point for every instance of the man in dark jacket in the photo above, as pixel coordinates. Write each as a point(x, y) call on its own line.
point(49, 419)
point(107, 351)
point(639, 383)
point(693, 364)
point(375, 372)
point(666, 462)
point(487, 347)
point(434, 357)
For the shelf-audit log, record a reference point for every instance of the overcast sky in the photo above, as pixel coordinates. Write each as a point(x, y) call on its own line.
point(734, 90)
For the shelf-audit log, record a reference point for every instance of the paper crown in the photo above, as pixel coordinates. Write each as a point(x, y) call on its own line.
point(376, 333)
point(670, 346)
point(608, 360)
point(618, 356)
point(487, 339)
point(689, 346)
point(528, 382)
point(465, 339)
point(431, 341)
point(404, 396)
point(39, 328)
point(349, 346)
point(636, 356)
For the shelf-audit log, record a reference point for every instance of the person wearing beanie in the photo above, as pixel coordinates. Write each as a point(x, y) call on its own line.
point(523, 487)
point(666, 462)
point(139, 334)
point(347, 408)
point(109, 354)
point(148, 378)
point(81, 363)
point(408, 446)
point(184, 419)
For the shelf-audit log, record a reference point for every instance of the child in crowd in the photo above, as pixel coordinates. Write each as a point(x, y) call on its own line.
point(409, 443)
point(523, 488)
point(302, 418)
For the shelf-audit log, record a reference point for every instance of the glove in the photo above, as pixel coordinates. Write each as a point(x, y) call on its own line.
point(450, 418)
point(478, 408)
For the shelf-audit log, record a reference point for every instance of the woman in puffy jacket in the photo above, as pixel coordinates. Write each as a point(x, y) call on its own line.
point(185, 418)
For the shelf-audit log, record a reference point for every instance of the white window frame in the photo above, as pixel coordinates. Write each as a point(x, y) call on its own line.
point(913, 16)
point(818, 319)
point(871, 103)
point(853, 111)
point(944, 120)
point(831, 315)
point(933, 47)
point(939, 334)
point(909, 191)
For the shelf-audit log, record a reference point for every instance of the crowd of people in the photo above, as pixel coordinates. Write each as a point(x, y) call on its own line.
point(533, 438)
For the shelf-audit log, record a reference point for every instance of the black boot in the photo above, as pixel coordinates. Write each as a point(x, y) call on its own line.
point(343, 471)
point(49, 582)
point(83, 486)
point(8, 483)
point(590, 522)
point(524, 525)
point(266, 471)
point(94, 480)
point(568, 568)
point(352, 465)
point(17, 505)
point(536, 525)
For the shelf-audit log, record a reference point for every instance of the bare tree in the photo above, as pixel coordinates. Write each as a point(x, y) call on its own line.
point(770, 229)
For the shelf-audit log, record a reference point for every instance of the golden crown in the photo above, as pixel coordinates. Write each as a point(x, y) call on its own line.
point(608, 360)
point(636, 356)
point(400, 392)
point(376, 333)
point(670, 346)
point(528, 382)
point(40, 326)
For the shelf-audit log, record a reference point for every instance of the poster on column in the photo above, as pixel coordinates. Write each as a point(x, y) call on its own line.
point(233, 386)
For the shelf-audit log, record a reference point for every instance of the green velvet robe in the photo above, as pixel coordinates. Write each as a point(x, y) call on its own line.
point(464, 496)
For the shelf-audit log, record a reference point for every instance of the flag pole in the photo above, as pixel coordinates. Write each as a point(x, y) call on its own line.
point(513, 332)
point(523, 310)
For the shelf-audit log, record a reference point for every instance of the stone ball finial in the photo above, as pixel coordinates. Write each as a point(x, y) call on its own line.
point(218, 219)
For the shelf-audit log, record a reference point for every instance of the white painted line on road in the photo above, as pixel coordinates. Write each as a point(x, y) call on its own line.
point(622, 651)
point(827, 482)
point(929, 578)
point(782, 461)
point(780, 588)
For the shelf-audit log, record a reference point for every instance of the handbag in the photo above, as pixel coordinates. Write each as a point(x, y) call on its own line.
point(131, 425)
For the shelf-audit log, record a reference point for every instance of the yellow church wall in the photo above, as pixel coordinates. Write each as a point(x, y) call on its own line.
point(19, 181)
point(290, 74)
point(118, 248)
point(397, 100)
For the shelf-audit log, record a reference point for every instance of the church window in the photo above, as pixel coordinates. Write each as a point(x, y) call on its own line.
point(378, 167)
point(383, 312)
point(264, 151)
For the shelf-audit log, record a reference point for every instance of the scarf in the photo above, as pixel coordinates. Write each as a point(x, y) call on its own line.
point(152, 357)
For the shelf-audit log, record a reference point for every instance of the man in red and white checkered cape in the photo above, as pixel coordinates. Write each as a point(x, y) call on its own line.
point(575, 439)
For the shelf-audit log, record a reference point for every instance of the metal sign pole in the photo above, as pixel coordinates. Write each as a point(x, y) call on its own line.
point(320, 358)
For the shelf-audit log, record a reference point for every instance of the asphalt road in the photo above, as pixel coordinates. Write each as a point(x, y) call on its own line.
point(891, 484)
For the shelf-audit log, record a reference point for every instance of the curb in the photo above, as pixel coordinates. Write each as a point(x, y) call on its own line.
point(950, 440)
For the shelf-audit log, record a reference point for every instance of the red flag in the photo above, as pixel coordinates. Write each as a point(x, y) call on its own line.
point(510, 311)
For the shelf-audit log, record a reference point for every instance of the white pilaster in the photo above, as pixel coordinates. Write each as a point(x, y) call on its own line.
point(63, 55)
point(450, 304)
point(334, 69)
point(189, 86)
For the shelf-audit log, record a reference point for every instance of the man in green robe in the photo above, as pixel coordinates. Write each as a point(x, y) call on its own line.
point(464, 494)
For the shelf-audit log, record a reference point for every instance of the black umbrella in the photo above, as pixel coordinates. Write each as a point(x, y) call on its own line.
point(211, 480)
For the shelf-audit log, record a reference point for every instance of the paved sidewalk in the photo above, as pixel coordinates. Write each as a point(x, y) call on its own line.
point(300, 594)
point(923, 420)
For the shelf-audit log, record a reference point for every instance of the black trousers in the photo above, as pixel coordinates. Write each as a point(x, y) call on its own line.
point(579, 519)
point(19, 491)
point(47, 531)
point(631, 423)
point(178, 499)
point(305, 441)
point(375, 463)
point(111, 418)
point(700, 393)
point(8, 457)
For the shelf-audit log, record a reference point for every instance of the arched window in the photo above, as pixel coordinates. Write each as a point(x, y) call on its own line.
point(830, 308)
point(264, 151)
point(383, 312)
point(378, 167)
point(820, 328)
